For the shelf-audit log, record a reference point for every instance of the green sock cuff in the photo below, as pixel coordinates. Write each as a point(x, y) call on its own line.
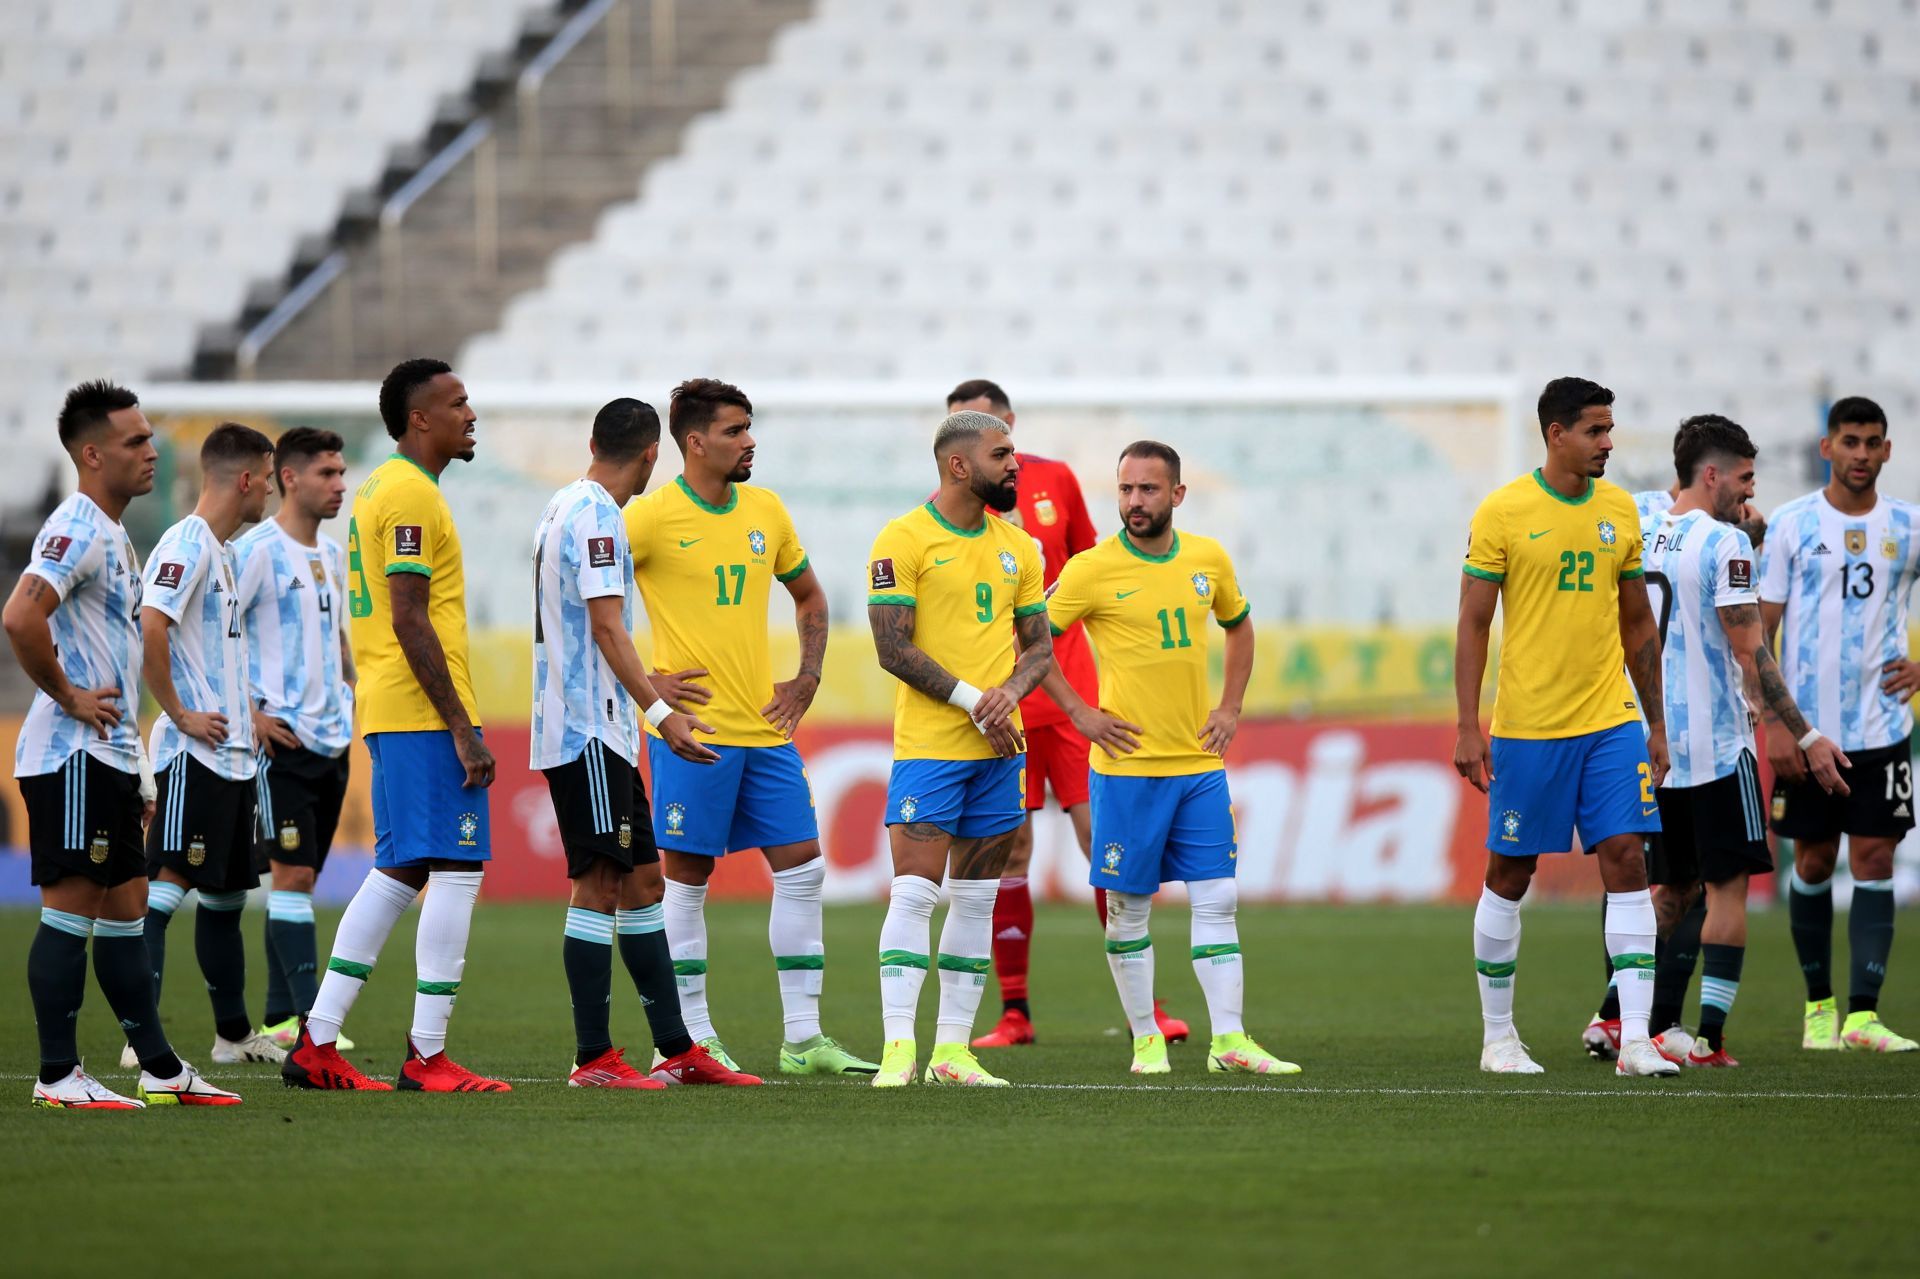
point(964, 963)
point(1217, 950)
point(1487, 968)
point(800, 963)
point(1133, 947)
point(689, 967)
point(1632, 960)
point(348, 968)
point(903, 959)
point(437, 987)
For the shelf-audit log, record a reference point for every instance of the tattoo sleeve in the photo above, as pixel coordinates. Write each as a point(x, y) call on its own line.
point(1779, 706)
point(425, 657)
point(812, 624)
point(1644, 665)
point(982, 858)
point(900, 657)
point(1036, 653)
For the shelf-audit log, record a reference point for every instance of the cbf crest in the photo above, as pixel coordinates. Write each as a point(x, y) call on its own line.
point(469, 827)
point(676, 818)
point(1202, 585)
point(908, 807)
point(1110, 858)
point(1608, 533)
point(1008, 564)
point(1510, 826)
point(757, 542)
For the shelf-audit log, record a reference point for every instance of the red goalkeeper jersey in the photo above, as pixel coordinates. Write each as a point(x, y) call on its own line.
point(1055, 515)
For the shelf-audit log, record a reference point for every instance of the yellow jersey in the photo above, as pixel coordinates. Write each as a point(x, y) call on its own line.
point(705, 573)
point(966, 587)
point(400, 524)
point(1559, 562)
point(1146, 615)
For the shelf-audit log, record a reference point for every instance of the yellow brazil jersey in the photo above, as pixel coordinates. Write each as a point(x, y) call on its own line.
point(400, 524)
point(1147, 618)
point(705, 573)
point(1559, 562)
point(966, 587)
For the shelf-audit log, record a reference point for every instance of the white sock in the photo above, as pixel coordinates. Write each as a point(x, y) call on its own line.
point(906, 943)
point(966, 948)
point(376, 907)
point(1130, 957)
point(1631, 932)
point(1496, 948)
point(1216, 952)
point(686, 911)
point(440, 954)
point(794, 931)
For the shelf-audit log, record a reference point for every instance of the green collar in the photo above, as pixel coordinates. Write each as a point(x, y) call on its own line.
point(1152, 559)
point(733, 497)
point(402, 457)
point(1556, 494)
point(955, 528)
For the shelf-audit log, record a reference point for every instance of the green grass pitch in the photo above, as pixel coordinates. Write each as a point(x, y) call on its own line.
point(1390, 1154)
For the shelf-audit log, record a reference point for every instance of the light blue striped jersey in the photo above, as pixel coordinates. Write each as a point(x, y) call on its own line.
point(191, 579)
point(1652, 502)
point(88, 559)
point(1697, 566)
point(580, 552)
point(1844, 580)
point(290, 597)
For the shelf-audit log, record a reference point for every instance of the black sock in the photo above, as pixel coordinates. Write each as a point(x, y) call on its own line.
point(155, 932)
point(222, 952)
point(292, 954)
point(1610, 1002)
point(651, 965)
point(1675, 957)
point(589, 965)
point(279, 998)
point(1810, 916)
point(121, 966)
point(1018, 1006)
point(1870, 938)
point(1719, 981)
point(57, 980)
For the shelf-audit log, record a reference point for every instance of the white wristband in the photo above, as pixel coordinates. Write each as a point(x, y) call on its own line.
point(964, 695)
point(1813, 735)
point(149, 792)
point(657, 712)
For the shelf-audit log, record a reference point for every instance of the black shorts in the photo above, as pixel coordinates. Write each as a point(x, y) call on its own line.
point(601, 805)
point(299, 794)
point(203, 828)
point(84, 819)
point(1881, 803)
point(1712, 832)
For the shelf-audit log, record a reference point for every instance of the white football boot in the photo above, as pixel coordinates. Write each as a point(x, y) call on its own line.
point(188, 1088)
point(255, 1049)
point(1674, 1044)
point(1641, 1058)
point(1508, 1056)
point(81, 1091)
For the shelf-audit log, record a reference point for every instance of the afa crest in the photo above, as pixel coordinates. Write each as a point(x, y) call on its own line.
point(626, 833)
point(757, 542)
point(97, 850)
point(676, 818)
point(1110, 859)
point(289, 836)
point(1201, 586)
point(908, 807)
point(469, 827)
point(1510, 826)
point(1608, 534)
point(197, 852)
point(1008, 564)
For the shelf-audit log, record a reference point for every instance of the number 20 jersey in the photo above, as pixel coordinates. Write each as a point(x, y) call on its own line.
point(1844, 580)
point(192, 579)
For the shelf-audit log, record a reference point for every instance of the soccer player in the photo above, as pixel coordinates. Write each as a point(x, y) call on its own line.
point(1838, 572)
point(1561, 548)
point(73, 622)
point(1161, 808)
point(407, 598)
point(1700, 576)
point(954, 594)
point(707, 549)
point(194, 640)
point(587, 683)
point(300, 677)
point(1054, 514)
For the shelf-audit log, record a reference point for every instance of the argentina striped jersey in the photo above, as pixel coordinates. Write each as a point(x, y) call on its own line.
point(1695, 567)
point(290, 598)
point(580, 552)
point(191, 579)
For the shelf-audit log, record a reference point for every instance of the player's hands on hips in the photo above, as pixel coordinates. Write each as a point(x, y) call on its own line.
point(677, 731)
point(790, 701)
point(1657, 755)
point(474, 757)
point(1217, 733)
point(1789, 765)
point(203, 726)
point(1825, 761)
point(1470, 757)
point(1110, 733)
point(98, 708)
point(678, 690)
point(1902, 678)
point(271, 732)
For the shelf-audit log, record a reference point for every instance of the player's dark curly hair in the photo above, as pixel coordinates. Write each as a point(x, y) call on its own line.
point(396, 393)
point(1565, 398)
point(1705, 437)
point(88, 406)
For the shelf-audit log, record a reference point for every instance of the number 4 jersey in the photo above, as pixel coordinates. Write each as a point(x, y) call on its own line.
point(1844, 580)
point(191, 578)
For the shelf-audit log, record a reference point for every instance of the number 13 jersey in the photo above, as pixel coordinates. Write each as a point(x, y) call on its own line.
point(1844, 580)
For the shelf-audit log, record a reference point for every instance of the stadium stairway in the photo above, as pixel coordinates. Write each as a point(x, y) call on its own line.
point(603, 117)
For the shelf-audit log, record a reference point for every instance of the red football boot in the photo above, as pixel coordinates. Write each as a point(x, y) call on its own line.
point(311, 1065)
point(698, 1066)
point(610, 1070)
point(1014, 1027)
point(1172, 1027)
point(1702, 1056)
point(441, 1073)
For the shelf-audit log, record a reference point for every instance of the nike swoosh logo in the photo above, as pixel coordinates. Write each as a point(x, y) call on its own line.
point(938, 562)
point(1534, 537)
point(686, 542)
point(1648, 812)
point(1120, 595)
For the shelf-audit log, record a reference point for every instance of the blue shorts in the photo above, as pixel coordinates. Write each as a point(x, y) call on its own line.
point(967, 798)
point(1148, 831)
point(1543, 788)
point(422, 805)
point(755, 797)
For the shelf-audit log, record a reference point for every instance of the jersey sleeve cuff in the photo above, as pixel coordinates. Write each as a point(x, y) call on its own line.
point(795, 571)
point(1482, 574)
point(904, 601)
point(1632, 573)
point(169, 609)
point(422, 569)
point(1231, 622)
point(1028, 610)
point(59, 586)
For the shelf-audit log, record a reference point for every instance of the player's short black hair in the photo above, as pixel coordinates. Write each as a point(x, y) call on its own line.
point(1154, 448)
point(697, 401)
point(299, 445)
point(1856, 410)
point(231, 443)
point(1705, 436)
point(87, 407)
point(1563, 399)
point(977, 388)
point(623, 429)
point(396, 392)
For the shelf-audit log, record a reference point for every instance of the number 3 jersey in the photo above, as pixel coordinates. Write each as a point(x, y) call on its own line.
point(191, 578)
point(1695, 567)
point(1844, 580)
